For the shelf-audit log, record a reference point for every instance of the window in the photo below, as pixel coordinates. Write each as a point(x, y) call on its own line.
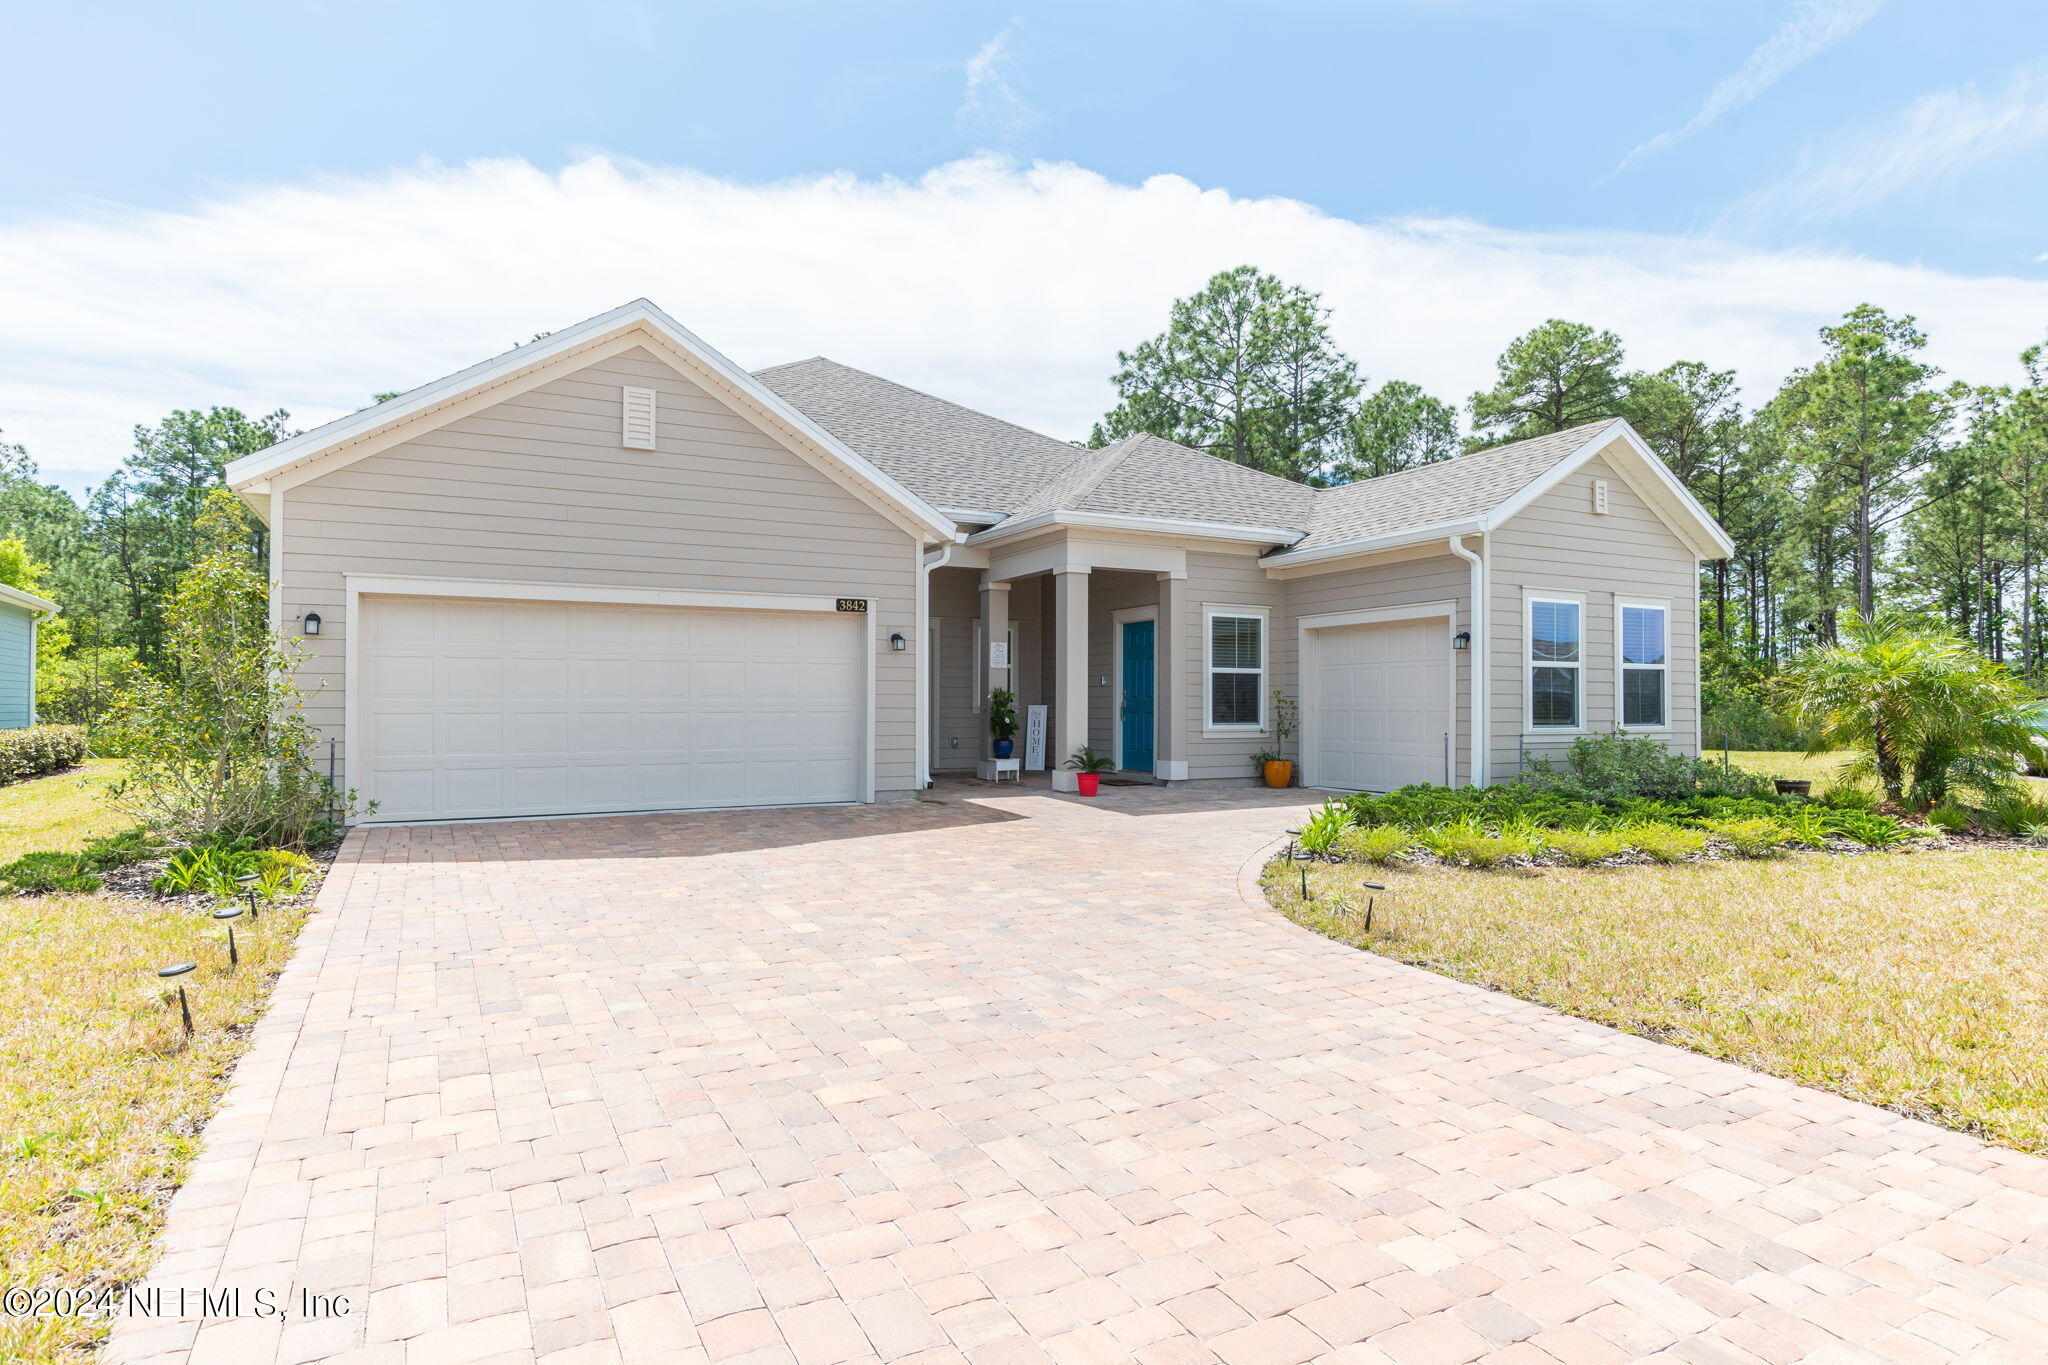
point(1237, 670)
point(1645, 664)
point(1554, 663)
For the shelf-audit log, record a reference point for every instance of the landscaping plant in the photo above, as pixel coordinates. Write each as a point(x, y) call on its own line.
point(1319, 832)
point(37, 749)
point(1381, 844)
point(1922, 711)
point(220, 750)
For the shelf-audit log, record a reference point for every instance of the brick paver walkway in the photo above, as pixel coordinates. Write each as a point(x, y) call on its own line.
point(1019, 1078)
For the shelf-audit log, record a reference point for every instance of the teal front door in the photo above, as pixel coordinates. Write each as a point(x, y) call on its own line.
point(1137, 702)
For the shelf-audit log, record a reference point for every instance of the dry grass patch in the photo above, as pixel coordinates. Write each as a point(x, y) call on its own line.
point(61, 811)
point(101, 1100)
point(1913, 980)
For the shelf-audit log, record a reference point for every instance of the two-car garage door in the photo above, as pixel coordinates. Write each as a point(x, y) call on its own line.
point(473, 708)
point(1379, 709)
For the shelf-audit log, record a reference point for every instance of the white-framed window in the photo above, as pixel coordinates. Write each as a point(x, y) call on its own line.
point(1556, 662)
point(1235, 660)
point(1645, 682)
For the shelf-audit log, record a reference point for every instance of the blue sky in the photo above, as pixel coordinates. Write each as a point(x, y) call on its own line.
point(210, 155)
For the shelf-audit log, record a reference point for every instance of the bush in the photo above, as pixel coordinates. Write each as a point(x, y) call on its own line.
point(1751, 836)
point(42, 873)
point(1872, 831)
point(1582, 846)
point(2016, 813)
point(1472, 845)
point(1665, 843)
point(1950, 817)
point(213, 870)
point(40, 749)
point(1319, 832)
point(221, 751)
point(1848, 796)
point(1746, 721)
point(1616, 767)
point(1380, 844)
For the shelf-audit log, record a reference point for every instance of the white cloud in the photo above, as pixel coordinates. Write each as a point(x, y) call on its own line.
point(1006, 288)
point(1935, 139)
point(1812, 28)
point(991, 110)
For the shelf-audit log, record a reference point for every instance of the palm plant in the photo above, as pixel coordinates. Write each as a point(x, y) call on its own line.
point(1923, 712)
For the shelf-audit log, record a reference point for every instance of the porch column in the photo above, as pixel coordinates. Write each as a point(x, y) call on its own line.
point(1070, 674)
point(1171, 762)
point(995, 628)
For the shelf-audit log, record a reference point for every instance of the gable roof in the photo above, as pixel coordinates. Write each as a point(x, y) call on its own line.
point(1148, 476)
point(952, 456)
point(366, 430)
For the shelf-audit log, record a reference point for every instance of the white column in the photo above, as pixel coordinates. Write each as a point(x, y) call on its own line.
point(1171, 762)
point(1070, 674)
point(995, 629)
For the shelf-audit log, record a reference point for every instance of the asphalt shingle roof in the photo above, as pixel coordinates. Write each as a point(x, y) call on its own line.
point(952, 456)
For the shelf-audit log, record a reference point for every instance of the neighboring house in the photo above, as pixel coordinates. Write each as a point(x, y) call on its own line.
point(611, 571)
point(19, 612)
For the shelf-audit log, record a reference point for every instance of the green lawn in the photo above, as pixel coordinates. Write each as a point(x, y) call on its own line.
point(1915, 979)
point(101, 1100)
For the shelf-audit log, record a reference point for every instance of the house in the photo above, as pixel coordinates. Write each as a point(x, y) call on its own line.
point(610, 570)
point(19, 612)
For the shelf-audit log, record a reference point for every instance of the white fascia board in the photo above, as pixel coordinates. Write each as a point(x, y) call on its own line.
point(42, 606)
point(1158, 526)
point(1365, 545)
point(1703, 532)
point(974, 515)
point(501, 369)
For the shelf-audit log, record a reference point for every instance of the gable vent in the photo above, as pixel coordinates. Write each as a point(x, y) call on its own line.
point(1599, 495)
point(638, 418)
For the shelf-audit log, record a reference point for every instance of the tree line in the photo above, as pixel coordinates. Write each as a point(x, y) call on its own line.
point(1863, 484)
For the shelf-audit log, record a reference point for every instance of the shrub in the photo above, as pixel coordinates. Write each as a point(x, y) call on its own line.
point(1583, 846)
point(1472, 845)
point(221, 751)
point(1319, 832)
point(1951, 818)
point(1751, 836)
point(1617, 767)
point(1872, 831)
point(1665, 843)
point(212, 870)
point(40, 749)
point(1375, 843)
point(1848, 796)
point(42, 873)
point(2015, 813)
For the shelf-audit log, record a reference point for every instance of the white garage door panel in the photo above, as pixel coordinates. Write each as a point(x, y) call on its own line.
point(1382, 704)
point(474, 708)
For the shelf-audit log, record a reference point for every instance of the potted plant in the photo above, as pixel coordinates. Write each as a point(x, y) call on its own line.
point(1002, 720)
point(1273, 762)
point(1089, 767)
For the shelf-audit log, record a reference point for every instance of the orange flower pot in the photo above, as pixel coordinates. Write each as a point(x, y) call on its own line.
point(1279, 772)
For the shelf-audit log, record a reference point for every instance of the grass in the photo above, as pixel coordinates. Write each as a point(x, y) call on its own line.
point(1916, 980)
point(1819, 769)
point(101, 1100)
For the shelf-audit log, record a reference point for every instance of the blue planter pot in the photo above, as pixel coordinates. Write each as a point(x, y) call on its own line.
point(1005, 747)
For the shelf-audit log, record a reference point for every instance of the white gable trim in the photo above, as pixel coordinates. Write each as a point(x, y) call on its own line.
point(350, 438)
point(1665, 494)
point(15, 597)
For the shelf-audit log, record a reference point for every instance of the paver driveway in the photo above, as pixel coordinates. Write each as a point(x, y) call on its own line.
point(1011, 1079)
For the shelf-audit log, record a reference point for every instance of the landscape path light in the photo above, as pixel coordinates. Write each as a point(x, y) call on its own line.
point(247, 881)
point(228, 913)
point(1370, 901)
point(178, 969)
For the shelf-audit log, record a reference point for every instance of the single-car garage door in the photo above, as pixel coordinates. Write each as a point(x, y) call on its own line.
point(482, 708)
point(1381, 714)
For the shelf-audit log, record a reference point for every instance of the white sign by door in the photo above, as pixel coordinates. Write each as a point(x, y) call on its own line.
point(1034, 738)
point(999, 654)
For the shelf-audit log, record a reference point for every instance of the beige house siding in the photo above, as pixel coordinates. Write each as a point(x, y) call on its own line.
point(1559, 543)
point(539, 489)
point(1391, 583)
point(1227, 580)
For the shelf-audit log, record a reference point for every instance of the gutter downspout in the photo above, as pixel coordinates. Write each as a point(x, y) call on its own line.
point(926, 563)
point(1479, 623)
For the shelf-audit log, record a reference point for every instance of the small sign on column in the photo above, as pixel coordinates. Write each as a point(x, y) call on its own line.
point(1034, 738)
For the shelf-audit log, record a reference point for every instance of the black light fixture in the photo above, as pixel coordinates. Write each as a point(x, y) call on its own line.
point(177, 969)
point(898, 643)
point(228, 913)
point(1462, 640)
point(1370, 901)
point(247, 881)
point(309, 624)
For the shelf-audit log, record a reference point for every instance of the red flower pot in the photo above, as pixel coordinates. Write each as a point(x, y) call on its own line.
point(1089, 783)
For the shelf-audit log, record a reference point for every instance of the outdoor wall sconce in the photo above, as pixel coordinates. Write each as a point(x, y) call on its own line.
point(310, 623)
point(184, 1005)
point(1462, 640)
point(898, 643)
